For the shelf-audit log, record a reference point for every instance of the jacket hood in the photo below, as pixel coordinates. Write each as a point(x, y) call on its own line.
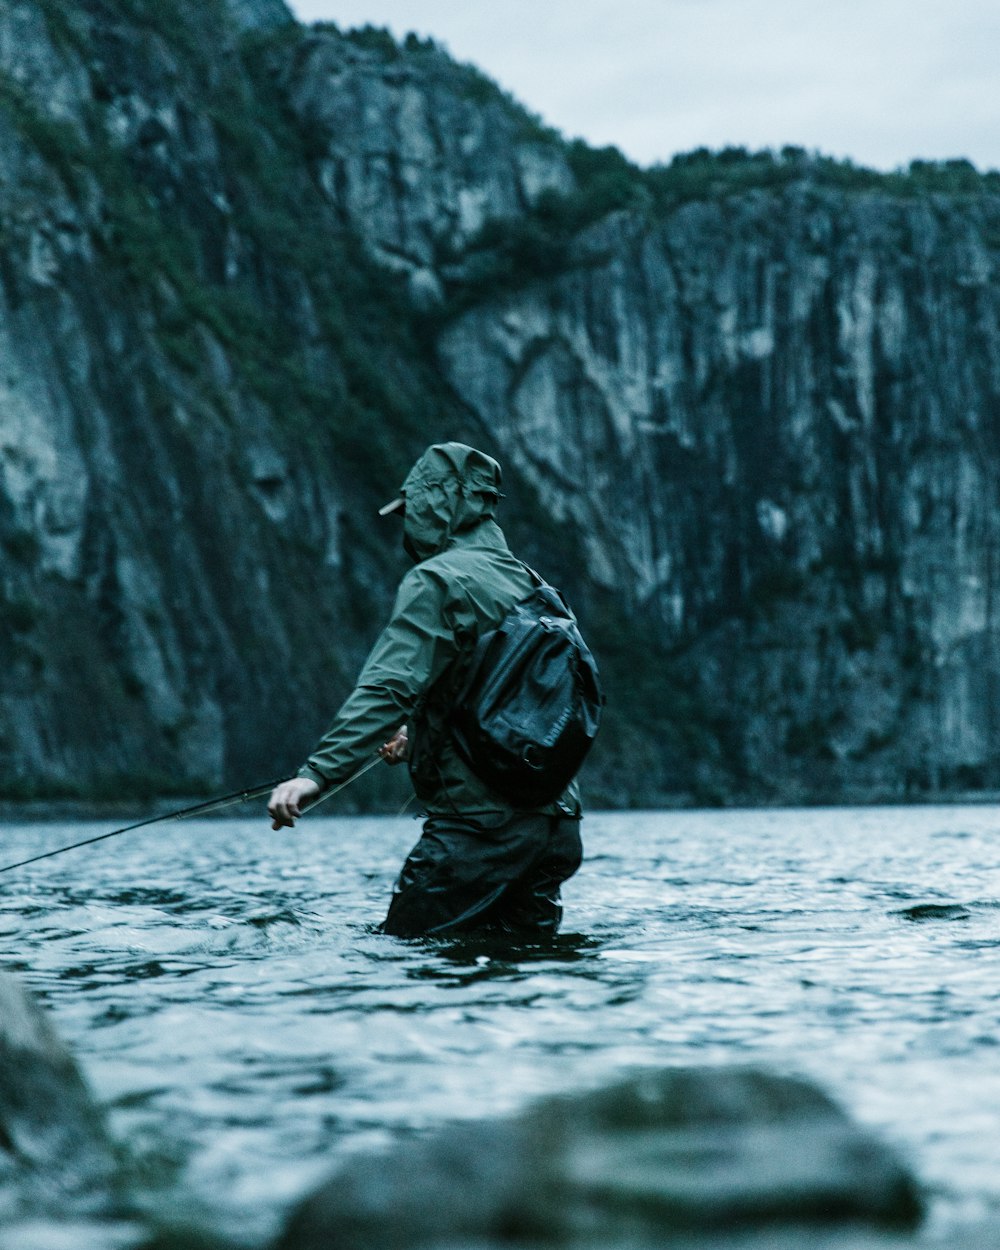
point(452, 488)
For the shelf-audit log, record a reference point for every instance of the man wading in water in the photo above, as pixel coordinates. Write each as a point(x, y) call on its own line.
point(481, 862)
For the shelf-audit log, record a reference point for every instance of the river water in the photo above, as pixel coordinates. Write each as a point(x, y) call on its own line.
point(233, 1008)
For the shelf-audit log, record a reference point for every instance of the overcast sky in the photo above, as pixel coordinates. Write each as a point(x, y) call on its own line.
point(879, 81)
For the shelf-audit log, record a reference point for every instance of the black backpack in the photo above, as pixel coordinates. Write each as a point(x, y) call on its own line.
point(531, 704)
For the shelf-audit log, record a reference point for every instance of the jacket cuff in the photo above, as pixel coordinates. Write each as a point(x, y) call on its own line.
point(312, 775)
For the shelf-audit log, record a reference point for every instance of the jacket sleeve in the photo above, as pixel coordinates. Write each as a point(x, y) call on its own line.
point(411, 653)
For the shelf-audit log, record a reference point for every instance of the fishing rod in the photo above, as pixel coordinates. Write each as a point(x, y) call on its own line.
point(198, 809)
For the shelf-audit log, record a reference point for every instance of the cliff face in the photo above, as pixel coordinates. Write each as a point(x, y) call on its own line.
point(784, 414)
point(768, 422)
point(415, 152)
point(248, 271)
point(171, 509)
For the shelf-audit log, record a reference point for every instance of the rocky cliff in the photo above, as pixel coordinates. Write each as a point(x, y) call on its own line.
point(747, 405)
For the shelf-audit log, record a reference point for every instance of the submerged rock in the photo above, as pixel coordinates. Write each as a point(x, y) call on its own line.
point(663, 1155)
point(54, 1151)
point(936, 911)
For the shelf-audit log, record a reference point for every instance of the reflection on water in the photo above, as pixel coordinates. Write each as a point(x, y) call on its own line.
point(236, 1010)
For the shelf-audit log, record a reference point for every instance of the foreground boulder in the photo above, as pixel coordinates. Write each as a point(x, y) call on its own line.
point(54, 1151)
point(662, 1156)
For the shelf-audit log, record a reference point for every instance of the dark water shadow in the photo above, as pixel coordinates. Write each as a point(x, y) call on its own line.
point(472, 957)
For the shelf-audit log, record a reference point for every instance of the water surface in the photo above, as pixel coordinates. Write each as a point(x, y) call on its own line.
point(235, 1011)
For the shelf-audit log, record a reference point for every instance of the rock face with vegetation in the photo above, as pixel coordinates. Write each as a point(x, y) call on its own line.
point(747, 406)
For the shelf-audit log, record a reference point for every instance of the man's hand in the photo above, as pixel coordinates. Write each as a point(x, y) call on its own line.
point(397, 749)
point(286, 801)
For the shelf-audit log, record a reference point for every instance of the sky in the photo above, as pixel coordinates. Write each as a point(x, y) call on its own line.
point(881, 82)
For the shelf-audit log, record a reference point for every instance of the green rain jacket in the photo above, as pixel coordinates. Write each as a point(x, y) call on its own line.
point(464, 582)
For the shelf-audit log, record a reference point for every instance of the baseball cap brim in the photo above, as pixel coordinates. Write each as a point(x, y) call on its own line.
point(395, 506)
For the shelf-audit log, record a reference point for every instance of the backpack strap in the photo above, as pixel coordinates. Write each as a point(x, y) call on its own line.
point(542, 584)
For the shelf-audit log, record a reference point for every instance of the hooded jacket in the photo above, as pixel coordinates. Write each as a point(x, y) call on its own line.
point(464, 581)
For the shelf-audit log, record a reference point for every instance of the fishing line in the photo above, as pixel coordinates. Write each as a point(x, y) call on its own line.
point(196, 809)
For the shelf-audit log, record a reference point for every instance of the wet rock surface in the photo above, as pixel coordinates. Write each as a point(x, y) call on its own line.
point(663, 1156)
point(55, 1155)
